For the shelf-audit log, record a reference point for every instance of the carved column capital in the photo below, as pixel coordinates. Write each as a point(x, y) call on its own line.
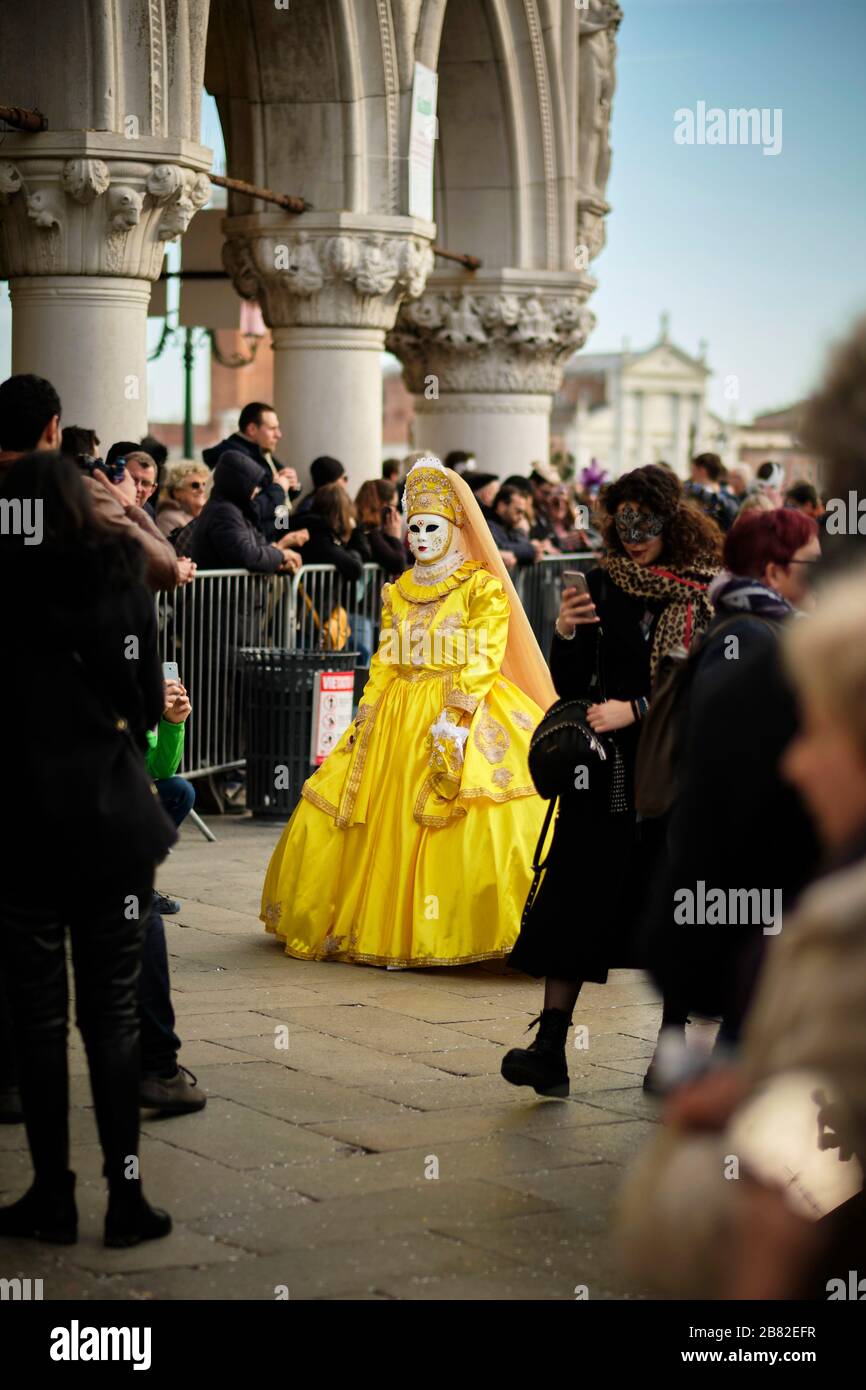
point(508, 331)
point(96, 204)
point(332, 270)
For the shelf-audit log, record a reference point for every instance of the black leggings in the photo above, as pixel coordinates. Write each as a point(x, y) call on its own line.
point(105, 923)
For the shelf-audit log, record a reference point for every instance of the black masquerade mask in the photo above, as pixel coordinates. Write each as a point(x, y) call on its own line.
point(633, 526)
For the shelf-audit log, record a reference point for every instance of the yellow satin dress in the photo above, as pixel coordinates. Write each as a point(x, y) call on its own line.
point(374, 866)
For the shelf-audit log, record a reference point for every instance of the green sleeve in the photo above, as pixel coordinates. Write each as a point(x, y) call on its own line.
point(165, 750)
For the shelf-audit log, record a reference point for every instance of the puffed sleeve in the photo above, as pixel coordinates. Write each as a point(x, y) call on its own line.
point(382, 664)
point(486, 640)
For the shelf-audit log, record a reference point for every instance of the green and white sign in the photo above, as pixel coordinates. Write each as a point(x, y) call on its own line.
point(423, 130)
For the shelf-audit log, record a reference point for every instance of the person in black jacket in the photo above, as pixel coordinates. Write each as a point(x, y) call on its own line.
point(257, 435)
point(79, 633)
point(323, 471)
point(649, 596)
point(335, 538)
point(740, 715)
point(504, 517)
point(337, 542)
point(227, 535)
point(381, 525)
point(381, 528)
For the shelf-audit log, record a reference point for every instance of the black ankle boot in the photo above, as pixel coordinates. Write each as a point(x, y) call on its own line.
point(130, 1218)
point(46, 1212)
point(542, 1065)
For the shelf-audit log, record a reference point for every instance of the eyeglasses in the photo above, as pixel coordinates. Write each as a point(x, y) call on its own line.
point(196, 487)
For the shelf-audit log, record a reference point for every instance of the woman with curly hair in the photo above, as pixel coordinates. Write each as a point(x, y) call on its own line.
point(648, 597)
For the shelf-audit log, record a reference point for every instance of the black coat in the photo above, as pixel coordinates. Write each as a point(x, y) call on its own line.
point(736, 824)
point(582, 922)
point(270, 509)
point(387, 551)
point(507, 538)
point(81, 668)
point(325, 548)
point(226, 535)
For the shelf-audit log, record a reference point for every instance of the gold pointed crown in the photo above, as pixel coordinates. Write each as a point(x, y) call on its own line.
point(428, 489)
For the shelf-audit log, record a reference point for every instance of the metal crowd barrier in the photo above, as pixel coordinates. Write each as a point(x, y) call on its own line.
point(540, 590)
point(204, 625)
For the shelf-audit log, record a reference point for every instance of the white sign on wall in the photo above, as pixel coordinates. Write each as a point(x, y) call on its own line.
point(423, 129)
point(332, 711)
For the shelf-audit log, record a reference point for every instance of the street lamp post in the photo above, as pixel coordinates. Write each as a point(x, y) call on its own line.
point(192, 340)
point(188, 362)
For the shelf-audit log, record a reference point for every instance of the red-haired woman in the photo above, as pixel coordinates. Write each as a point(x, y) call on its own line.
point(648, 597)
point(736, 825)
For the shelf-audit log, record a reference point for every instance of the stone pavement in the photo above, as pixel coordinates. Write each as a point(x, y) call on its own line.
point(308, 1171)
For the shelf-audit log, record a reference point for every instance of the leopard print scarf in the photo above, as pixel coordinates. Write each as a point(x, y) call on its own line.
point(687, 609)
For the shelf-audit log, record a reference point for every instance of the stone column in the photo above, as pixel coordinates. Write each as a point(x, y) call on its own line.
point(84, 217)
point(484, 357)
point(329, 286)
point(681, 437)
point(640, 405)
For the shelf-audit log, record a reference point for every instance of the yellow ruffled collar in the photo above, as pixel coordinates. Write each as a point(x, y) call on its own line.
point(423, 593)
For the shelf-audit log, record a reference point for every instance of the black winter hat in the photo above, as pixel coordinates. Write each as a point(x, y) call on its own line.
point(324, 470)
point(479, 480)
point(234, 478)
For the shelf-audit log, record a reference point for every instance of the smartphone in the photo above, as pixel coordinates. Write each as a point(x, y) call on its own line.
point(575, 579)
point(169, 671)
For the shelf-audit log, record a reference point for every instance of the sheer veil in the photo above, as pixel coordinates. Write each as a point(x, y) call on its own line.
point(523, 662)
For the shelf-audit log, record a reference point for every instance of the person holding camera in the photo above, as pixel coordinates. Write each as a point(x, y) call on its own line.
point(380, 524)
point(30, 423)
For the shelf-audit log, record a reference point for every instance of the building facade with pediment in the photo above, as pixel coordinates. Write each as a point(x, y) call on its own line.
point(479, 126)
point(625, 409)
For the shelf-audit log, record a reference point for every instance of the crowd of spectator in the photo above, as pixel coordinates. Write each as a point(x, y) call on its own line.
point(770, 790)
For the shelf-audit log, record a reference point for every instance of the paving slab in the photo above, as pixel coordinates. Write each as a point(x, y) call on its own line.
point(413, 1130)
point(400, 1211)
point(294, 1095)
point(360, 1173)
point(338, 1270)
point(380, 1156)
point(240, 1138)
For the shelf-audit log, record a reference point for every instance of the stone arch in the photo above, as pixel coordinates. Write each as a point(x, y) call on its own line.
point(310, 99)
point(513, 64)
point(315, 97)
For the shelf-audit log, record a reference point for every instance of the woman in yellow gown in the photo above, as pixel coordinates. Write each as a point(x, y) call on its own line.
point(412, 844)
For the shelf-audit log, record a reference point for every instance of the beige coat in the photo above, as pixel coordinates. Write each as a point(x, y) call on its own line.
point(809, 1015)
point(161, 571)
point(170, 516)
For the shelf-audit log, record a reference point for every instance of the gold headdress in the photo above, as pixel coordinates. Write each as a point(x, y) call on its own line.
point(429, 489)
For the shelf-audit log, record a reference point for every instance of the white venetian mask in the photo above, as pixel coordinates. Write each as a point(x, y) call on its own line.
point(429, 537)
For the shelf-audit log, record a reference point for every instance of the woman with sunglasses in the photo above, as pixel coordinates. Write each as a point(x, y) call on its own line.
point(183, 495)
point(648, 597)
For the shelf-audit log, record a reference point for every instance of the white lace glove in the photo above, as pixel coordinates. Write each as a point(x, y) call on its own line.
point(447, 742)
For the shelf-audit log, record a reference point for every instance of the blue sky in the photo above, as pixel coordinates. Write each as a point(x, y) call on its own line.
point(762, 256)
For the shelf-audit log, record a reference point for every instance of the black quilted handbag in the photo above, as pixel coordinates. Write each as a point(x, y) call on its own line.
point(565, 755)
point(567, 759)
